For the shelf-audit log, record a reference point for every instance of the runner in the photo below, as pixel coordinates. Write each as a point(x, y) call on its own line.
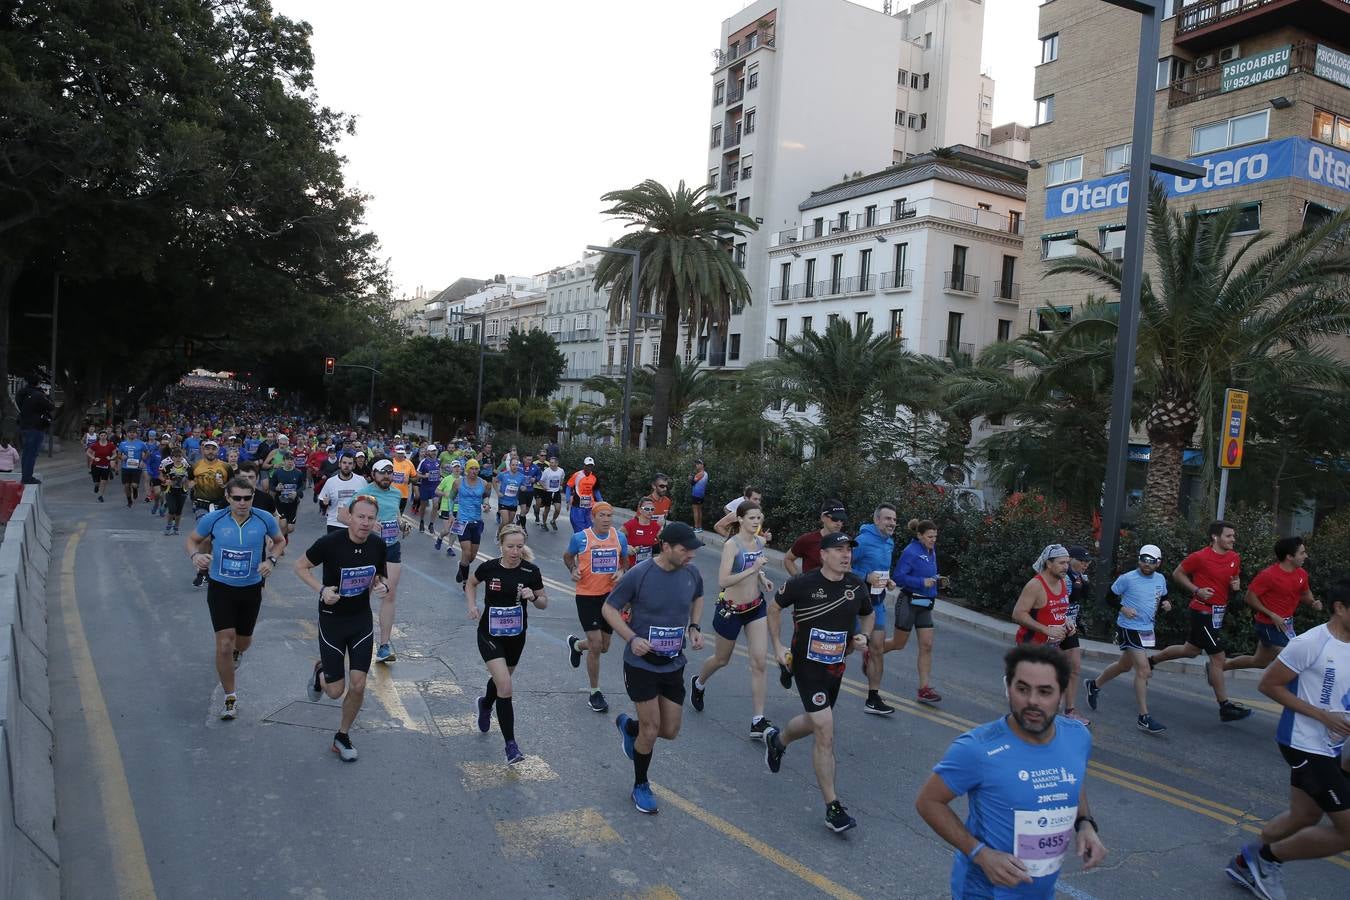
point(131, 462)
point(548, 491)
point(1080, 560)
point(726, 526)
point(428, 478)
point(207, 485)
point(1046, 613)
point(1311, 680)
point(596, 556)
point(287, 485)
point(872, 563)
point(740, 606)
point(155, 454)
point(473, 497)
point(100, 455)
point(1274, 595)
point(666, 599)
point(244, 543)
point(641, 532)
point(391, 530)
point(262, 499)
point(404, 475)
point(1140, 592)
point(1025, 779)
point(192, 445)
point(512, 581)
point(1209, 574)
point(831, 617)
point(660, 497)
point(698, 490)
point(509, 485)
point(338, 491)
point(582, 494)
point(447, 512)
point(323, 467)
point(362, 465)
point(530, 471)
point(174, 473)
point(916, 572)
point(806, 549)
point(354, 567)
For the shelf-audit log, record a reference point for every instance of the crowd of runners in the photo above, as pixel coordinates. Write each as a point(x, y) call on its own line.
point(865, 594)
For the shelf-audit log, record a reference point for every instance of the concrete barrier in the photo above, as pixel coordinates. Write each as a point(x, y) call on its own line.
point(29, 858)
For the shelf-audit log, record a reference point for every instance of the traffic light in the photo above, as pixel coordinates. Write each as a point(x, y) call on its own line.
point(393, 410)
point(329, 365)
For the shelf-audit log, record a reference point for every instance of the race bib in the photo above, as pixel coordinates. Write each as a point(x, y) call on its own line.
point(643, 553)
point(605, 561)
point(389, 531)
point(1148, 638)
point(131, 462)
point(236, 563)
point(506, 621)
point(1071, 615)
point(1288, 625)
point(400, 478)
point(826, 646)
point(457, 527)
point(1042, 837)
point(510, 489)
point(288, 493)
point(666, 640)
point(585, 502)
point(1216, 614)
point(354, 581)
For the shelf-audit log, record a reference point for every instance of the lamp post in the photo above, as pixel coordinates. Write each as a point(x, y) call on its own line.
point(632, 331)
point(373, 372)
point(1142, 164)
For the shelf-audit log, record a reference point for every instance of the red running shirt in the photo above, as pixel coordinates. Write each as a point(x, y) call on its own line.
point(1279, 591)
point(1211, 570)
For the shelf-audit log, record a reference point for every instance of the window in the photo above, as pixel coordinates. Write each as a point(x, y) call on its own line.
point(743, 205)
point(1049, 317)
point(925, 81)
point(1054, 246)
point(928, 41)
point(953, 331)
point(914, 81)
point(1050, 48)
point(806, 324)
point(733, 347)
point(1249, 217)
point(836, 272)
point(898, 210)
point(818, 223)
point(1045, 109)
point(747, 164)
point(901, 257)
point(1113, 238)
point(1164, 73)
point(719, 92)
point(841, 222)
point(750, 121)
point(1315, 215)
point(1331, 129)
point(897, 324)
point(810, 288)
point(1169, 8)
point(864, 268)
point(784, 280)
point(739, 255)
point(900, 117)
point(712, 177)
point(752, 77)
point(869, 216)
point(1230, 133)
point(923, 121)
point(716, 135)
point(959, 267)
point(1004, 329)
point(859, 319)
point(831, 319)
point(1008, 281)
point(1117, 158)
point(782, 330)
point(902, 78)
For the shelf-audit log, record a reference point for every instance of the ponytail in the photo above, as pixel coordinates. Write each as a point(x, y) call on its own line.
point(919, 526)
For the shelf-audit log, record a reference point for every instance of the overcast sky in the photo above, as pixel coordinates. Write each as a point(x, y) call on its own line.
point(486, 132)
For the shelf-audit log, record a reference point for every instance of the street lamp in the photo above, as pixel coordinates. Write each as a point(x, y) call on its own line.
point(1142, 163)
point(460, 316)
point(632, 331)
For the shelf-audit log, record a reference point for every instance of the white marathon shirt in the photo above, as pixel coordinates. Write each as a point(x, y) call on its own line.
point(1322, 664)
point(552, 479)
point(338, 493)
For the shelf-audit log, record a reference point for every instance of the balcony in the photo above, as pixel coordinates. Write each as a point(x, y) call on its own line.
point(900, 280)
point(1007, 290)
point(961, 350)
point(1209, 83)
point(579, 374)
point(1212, 23)
point(733, 139)
point(735, 95)
point(1007, 222)
point(729, 182)
point(960, 283)
point(751, 43)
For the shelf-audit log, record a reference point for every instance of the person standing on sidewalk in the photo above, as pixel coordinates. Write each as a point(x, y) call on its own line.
point(872, 563)
point(698, 490)
point(35, 418)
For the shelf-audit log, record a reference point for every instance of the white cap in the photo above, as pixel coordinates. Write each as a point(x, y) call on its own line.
point(589, 461)
point(382, 465)
point(1151, 550)
point(399, 448)
point(430, 448)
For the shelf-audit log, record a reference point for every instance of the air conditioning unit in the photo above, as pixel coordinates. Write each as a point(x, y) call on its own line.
point(1228, 54)
point(1116, 253)
point(1204, 62)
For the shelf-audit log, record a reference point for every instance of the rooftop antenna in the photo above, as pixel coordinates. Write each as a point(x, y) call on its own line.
point(886, 7)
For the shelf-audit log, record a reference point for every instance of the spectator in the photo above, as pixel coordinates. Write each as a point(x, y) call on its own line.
point(35, 417)
point(9, 455)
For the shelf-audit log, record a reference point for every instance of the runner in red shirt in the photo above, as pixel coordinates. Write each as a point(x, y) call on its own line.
point(1211, 576)
point(641, 532)
point(1275, 594)
point(100, 455)
point(806, 548)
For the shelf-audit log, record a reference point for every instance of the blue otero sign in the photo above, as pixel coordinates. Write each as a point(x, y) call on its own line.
point(1287, 158)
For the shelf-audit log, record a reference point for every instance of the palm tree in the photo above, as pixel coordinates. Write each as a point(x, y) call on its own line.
point(687, 273)
point(690, 385)
point(612, 388)
point(1223, 314)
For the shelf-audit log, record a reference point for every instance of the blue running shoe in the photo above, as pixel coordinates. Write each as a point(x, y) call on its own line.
point(1266, 875)
point(513, 754)
point(484, 714)
point(628, 740)
point(643, 799)
point(438, 542)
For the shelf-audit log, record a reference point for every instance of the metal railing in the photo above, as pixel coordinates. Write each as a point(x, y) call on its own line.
point(580, 374)
point(729, 182)
point(1007, 290)
point(1208, 12)
point(731, 54)
point(928, 208)
point(961, 283)
point(733, 139)
point(1209, 83)
point(946, 348)
point(899, 280)
point(734, 95)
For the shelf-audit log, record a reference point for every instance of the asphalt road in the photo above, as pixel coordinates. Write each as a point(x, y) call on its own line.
point(158, 797)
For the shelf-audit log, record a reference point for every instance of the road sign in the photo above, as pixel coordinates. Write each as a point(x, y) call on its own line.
point(1234, 429)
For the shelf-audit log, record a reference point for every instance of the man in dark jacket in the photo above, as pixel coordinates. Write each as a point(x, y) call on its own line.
point(35, 417)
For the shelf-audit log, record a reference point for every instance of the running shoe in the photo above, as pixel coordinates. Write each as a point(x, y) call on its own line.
point(1073, 713)
point(573, 654)
point(314, 686)
point(1230, 711)
point(628, 740)
point(385, 654)
point(878, 707)
point(643, 799)
point(598, 702)
point(513, 754)
point(422, 529)
point(484, 714)
point(785, 677)
point(450, 552)
point(760, 728)
point(168, 530)
point(1238, 870)
point(100, 498)
point(175, 529)
point(1266, 875)
point(773, 750)
point(1092, 691)
point(231, 710)
point(927, 695)
point(199, 580)
point(342, 746)
point(696, 694)
point(438, 543)
point(837, 818)
point(1151, 725)
point(129, 502)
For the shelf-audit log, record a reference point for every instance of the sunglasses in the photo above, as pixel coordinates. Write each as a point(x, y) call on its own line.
point(241, 498)
point(1151, 560)
point(647, 509)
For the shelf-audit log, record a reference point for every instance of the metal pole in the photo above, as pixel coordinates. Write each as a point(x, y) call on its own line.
point(56, 302)
point(371, 406)
point(632, 341)
point(482, 352)
point(1223, 493)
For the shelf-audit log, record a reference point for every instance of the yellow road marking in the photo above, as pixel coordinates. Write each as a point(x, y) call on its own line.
point(386, 690)
point(659, 892)
point(479, 776)
point(131, 869)
point(784, 862)
point(577, 828)
point(453, 726)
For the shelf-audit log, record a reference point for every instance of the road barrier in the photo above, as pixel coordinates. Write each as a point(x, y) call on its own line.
point(29, 859)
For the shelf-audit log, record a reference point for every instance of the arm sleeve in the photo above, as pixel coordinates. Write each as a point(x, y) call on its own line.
point(204, 524)
point(787, 594)
point(905, 575)
point(1118, 586)
point(798, 548)
point(536, 582)
point(961, 767)
point(865, 607)
point(273, 529)
point(1189, 564)
point(1260, 584)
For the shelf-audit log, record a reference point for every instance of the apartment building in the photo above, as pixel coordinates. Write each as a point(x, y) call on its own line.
point(519, 308)
point(929, 251)
point(434, 321)
point(576, 313)
point(805, 92)
point(1256, 91)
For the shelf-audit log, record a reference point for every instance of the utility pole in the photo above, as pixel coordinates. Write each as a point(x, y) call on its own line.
point(633, 316)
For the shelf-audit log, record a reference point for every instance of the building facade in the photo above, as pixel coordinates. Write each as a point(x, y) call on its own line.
point(1257, 91)
point(575, 313)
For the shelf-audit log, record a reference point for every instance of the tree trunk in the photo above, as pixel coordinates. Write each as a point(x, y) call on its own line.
point(9, 414)
point(665, 373)
point(1171, 423)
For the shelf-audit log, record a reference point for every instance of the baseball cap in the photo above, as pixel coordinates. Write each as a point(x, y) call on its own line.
point(382, 465)
point(360, 453)
point(681, 535)
point(430, 448)
point(834, 509)
point(399, 448)
point(838, 539)
point(588, 461)
point(210, 444)
point(1150, 550)
point(456, 464)
point(332, 447)
point(1079, 552)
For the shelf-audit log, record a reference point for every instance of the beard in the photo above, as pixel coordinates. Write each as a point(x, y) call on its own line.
point(1037, 725)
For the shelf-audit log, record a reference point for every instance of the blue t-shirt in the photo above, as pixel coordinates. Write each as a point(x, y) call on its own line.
point(700, 487)
point(388, 517)
point(250, 448)
point(578, 542)
point(1141, 595)
point(1022, 798)
point(133, 454)
point(152, 460)
point(429, 469)
point(509, 488)
point(193, 448)
point(531, 476)
point(237, 550)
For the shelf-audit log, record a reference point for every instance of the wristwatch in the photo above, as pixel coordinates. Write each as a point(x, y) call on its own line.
point(1081, 819)
point(272, 560)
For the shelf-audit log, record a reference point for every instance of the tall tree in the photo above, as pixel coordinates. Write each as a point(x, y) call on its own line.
point(532, 365)
point(687, 273)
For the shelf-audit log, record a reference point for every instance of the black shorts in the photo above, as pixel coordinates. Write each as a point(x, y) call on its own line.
point(908, 616)
point(131, 476)
point(393, 553)
point(1070, 642)
point(1320, 777)
point(1203, 634)
point(402, 503)
point(590, 615)
point(696, 501)
point(289, 511)
point(643, 684)
point(506, 648)
point(1130, 639)
point(352, 637)
point(728, 623)
point(233, 607)
point(173, 502)
point(547, 498)
point(100, 474)
point(817, 684)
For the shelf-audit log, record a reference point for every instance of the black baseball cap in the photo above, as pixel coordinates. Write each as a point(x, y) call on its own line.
point(1079, 552)
point(838, 539)
point(834, 509)
point(680, 534)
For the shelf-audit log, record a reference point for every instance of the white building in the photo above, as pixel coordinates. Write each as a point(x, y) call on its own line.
point(929, 251)
point(575, 313)
point(807, 91)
